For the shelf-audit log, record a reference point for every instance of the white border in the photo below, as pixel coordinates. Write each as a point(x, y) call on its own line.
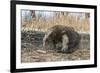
point(20, 65)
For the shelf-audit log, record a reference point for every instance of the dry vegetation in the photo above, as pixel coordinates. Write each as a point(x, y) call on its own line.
point(31, 55)
point(60, 19)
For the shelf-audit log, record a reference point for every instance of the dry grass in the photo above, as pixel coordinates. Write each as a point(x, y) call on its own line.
point(48, 56)
point(67, 20)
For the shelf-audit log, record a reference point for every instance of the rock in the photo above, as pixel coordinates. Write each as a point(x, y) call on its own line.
point(41, 51)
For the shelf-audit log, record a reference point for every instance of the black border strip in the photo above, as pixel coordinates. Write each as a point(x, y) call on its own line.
point(55, 68)
point(95, 36)
point(54, 4)
point(13, 36)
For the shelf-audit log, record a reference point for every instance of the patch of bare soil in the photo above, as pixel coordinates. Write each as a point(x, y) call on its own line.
point(32, 55)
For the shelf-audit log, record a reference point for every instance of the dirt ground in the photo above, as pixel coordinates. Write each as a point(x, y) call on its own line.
point(32, 50)
point(31, 55)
